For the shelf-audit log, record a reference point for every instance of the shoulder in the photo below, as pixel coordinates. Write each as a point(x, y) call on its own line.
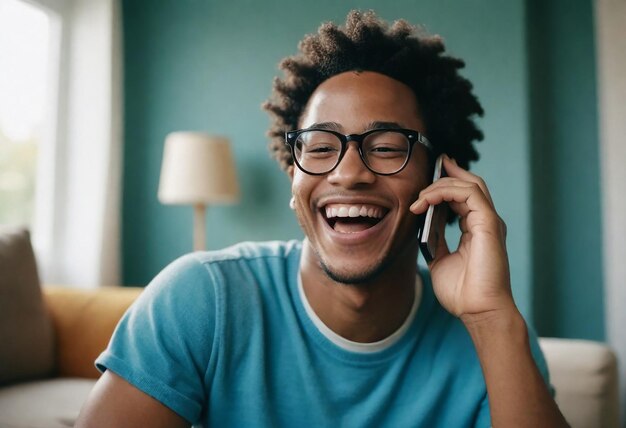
point(192, 284)
point(246, 274)
point(251, 263)
point(195, 271)
point(250, 251)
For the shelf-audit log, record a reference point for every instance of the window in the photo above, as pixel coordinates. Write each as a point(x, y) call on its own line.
point(60, 68)
point(25, 42)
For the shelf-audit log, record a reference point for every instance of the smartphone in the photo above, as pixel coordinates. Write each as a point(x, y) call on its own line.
point(434, 220)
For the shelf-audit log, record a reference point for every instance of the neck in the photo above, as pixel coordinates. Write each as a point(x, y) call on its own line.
point(366, 312)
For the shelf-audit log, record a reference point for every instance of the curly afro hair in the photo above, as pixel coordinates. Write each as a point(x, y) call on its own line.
point(399, 51)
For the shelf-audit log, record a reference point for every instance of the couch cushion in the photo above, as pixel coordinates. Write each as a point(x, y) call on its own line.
point(584, 374)
point(84, 321)
point(26, 335)
point(53, 403)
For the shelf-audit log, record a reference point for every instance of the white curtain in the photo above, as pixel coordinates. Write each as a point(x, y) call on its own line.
point(611, 50)
point(84, 220)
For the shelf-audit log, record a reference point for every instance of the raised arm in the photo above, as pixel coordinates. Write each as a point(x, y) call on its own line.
point(473, 283)
point(116, 403)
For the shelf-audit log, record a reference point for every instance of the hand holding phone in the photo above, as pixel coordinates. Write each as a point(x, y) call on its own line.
point(434, 220)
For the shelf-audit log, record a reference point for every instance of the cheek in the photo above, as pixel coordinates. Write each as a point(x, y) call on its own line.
point(301, 188)
point(411, 192)
point(415, 181)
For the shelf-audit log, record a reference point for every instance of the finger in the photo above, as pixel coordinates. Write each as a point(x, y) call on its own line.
point(450, 182)
point(462, 199)
point(455, 171)
point(420, 206)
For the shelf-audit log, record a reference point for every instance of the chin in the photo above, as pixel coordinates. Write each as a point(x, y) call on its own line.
point(355, 276)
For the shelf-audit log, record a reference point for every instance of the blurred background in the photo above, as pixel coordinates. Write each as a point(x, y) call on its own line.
point(102, 83)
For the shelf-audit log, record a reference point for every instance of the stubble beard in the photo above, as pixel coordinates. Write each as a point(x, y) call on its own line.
point(355, 279)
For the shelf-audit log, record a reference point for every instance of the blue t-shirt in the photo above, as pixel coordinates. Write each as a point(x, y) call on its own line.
point(224, 339)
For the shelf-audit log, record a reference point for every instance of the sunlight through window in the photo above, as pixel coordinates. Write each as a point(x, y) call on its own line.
point(24, 60)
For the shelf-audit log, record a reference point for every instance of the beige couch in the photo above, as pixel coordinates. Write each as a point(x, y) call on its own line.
point(584, 375)
point(83, 322)
point(75, 325)
point(49, 340)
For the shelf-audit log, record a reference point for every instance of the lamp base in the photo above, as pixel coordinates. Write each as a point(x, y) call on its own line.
point(199, 227)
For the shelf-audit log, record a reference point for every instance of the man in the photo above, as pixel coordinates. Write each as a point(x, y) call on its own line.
point(341, 329)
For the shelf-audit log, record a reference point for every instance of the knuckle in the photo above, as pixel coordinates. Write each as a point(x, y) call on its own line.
point(476, 187)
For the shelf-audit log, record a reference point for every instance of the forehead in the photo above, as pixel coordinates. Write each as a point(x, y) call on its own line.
point(355, 99)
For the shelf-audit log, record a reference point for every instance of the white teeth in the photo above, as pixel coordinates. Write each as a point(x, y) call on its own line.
point(336, 210)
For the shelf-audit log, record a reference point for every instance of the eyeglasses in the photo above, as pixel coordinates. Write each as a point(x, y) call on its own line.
point(383, 151)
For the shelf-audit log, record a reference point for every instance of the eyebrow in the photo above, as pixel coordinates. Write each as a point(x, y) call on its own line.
point(331, 126)
point(334, 126)
point(379, 124)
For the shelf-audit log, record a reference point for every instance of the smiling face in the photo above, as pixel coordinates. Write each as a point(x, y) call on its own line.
point(358, 223)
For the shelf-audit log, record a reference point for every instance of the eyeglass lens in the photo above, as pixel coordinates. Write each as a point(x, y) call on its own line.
point(384, 152)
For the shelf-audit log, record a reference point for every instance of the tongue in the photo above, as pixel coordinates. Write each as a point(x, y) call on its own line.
point(351, 226)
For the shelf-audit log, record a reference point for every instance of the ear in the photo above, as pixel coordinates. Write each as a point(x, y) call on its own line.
point(290, 170)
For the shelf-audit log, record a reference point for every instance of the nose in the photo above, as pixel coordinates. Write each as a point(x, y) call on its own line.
point(351, 171)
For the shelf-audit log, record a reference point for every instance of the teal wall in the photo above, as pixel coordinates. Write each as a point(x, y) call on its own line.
point(567, 251)
point(208, 65)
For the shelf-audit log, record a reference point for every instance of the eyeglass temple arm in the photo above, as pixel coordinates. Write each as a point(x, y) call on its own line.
point(424, 141)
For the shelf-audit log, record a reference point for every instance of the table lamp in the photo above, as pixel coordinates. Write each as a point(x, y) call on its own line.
point(198, 169)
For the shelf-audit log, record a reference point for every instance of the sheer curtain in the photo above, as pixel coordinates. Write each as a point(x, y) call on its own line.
point(83, 244)
point(611, 45)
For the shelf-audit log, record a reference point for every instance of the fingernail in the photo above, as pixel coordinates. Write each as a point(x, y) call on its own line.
point(416, 204)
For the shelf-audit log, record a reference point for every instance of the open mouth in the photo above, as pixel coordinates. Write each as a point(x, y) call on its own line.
point(352, 218)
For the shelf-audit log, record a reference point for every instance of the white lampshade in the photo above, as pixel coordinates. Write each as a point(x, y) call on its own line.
point(197, 169)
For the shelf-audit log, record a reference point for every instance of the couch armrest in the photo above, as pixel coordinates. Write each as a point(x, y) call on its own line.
point(584, 375)
point(83, 322)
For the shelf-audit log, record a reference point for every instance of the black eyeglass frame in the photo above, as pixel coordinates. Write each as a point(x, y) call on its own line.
point(411, 135)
